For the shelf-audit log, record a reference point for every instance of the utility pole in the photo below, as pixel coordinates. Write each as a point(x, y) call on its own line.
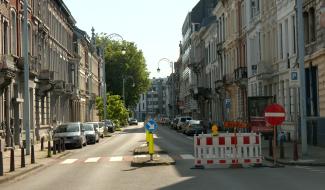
point(104, 86)
point(26, 78)
point(301, 54)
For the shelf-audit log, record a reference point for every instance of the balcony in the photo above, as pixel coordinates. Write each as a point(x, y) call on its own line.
point(34, 66)
point(59, 86)
point(69, 88)
point(228, 79)
point(7, 70)
point(218, 84)
point(92, 98)
point(264, 71)
point(46, 75)
point(241, 76)
point(204, 93)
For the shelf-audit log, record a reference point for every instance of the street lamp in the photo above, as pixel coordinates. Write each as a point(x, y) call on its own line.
point(172, 78)
point(110, 37)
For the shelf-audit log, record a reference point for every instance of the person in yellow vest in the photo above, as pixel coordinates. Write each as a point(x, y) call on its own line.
point(214, 129)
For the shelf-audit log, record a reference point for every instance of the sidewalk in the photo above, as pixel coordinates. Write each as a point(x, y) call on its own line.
point(41, 160)
point(315, 157)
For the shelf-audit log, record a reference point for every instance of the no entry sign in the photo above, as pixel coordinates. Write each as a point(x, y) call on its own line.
point(274, 114)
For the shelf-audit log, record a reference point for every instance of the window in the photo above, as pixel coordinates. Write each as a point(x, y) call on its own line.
point(294, 33)
point(5, 38)
point(281, 41)
point(13, 33)
point(306, 24)
point(312, 24)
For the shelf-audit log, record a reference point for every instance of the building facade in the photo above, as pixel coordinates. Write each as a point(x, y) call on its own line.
point(53, 69)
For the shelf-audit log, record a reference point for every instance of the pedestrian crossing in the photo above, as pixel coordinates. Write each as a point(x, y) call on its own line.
point(116, 159)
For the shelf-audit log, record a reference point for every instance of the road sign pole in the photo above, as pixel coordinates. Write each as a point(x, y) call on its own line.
point(147, 137)
point(151, 146)
point(274, 145)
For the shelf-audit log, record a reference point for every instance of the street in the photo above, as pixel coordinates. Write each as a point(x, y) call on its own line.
point(106, 165)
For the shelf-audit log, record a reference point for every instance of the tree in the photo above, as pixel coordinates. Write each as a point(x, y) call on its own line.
point(130, 66)
point(116, 110)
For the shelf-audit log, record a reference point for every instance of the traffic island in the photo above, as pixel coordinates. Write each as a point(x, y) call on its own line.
point(158, 160)
point(143, 149)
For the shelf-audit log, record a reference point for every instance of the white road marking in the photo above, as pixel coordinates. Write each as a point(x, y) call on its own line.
point(187, 156)
point(141, 156)
point(69, 161)
point(94, 159)
point(116, 159)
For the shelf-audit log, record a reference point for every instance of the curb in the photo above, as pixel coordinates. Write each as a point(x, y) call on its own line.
point(294, 163)
point(14, 176)
point(34, 169)
point(148, 164)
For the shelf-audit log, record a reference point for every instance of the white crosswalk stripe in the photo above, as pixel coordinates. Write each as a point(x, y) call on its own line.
point(187, 156)
point(69, 161)
point(116, 159)
point(95, 159)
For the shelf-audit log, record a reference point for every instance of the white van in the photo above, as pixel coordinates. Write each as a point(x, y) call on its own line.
point(181, 121)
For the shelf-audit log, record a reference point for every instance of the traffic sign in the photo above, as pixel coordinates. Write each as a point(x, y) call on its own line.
point(228, 102)
point(274, 114)
point(294, 78)
point(151, 125)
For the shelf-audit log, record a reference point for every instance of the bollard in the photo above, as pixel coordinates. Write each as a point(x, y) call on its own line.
point(1, 163)
point(59, 146)
point(22, 157)
point(12, 160)
point(1, 160)
point(49, 149)
point(281, 148)
point(63, 145)
point(32, 156)
point(42, 143)
point(54, 147)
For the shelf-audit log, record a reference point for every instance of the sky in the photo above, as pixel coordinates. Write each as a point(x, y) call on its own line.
point(155, 26)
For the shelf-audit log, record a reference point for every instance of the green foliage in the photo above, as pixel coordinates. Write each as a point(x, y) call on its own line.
point(116, 110)
point(131, 65)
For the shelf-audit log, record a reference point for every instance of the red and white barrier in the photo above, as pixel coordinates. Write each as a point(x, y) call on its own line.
point(227, 148)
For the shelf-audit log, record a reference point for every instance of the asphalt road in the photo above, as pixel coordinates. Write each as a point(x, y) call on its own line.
point(107, 166)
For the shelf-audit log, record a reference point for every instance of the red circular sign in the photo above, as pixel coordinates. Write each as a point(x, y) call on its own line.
point(274, 114)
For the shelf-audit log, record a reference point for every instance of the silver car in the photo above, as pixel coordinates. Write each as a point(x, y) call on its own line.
point(91, 133)
point(71, 133)
point(99, 126)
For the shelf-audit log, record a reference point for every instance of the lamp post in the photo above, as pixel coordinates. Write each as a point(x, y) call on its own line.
point(26, 115)
point(172, 82)
point(110, 36)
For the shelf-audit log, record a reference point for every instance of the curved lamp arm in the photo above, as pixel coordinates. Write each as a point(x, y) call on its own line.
point(166, 60)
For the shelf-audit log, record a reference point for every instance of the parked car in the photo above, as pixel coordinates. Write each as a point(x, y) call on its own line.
point(182, 121)
point(71, 133)
point(133, 122)
point(194, 127)
point(91, 133)
point(173, 124)
point(110, 126)
point(99, 126)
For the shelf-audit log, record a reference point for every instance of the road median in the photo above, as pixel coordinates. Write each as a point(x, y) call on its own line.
point(142, 157)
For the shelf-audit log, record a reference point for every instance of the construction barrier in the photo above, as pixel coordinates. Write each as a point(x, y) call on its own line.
point(227, 149)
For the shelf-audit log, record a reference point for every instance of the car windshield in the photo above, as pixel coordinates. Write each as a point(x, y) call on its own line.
point(65, 128)
point(183, 119)
point(88, 127)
